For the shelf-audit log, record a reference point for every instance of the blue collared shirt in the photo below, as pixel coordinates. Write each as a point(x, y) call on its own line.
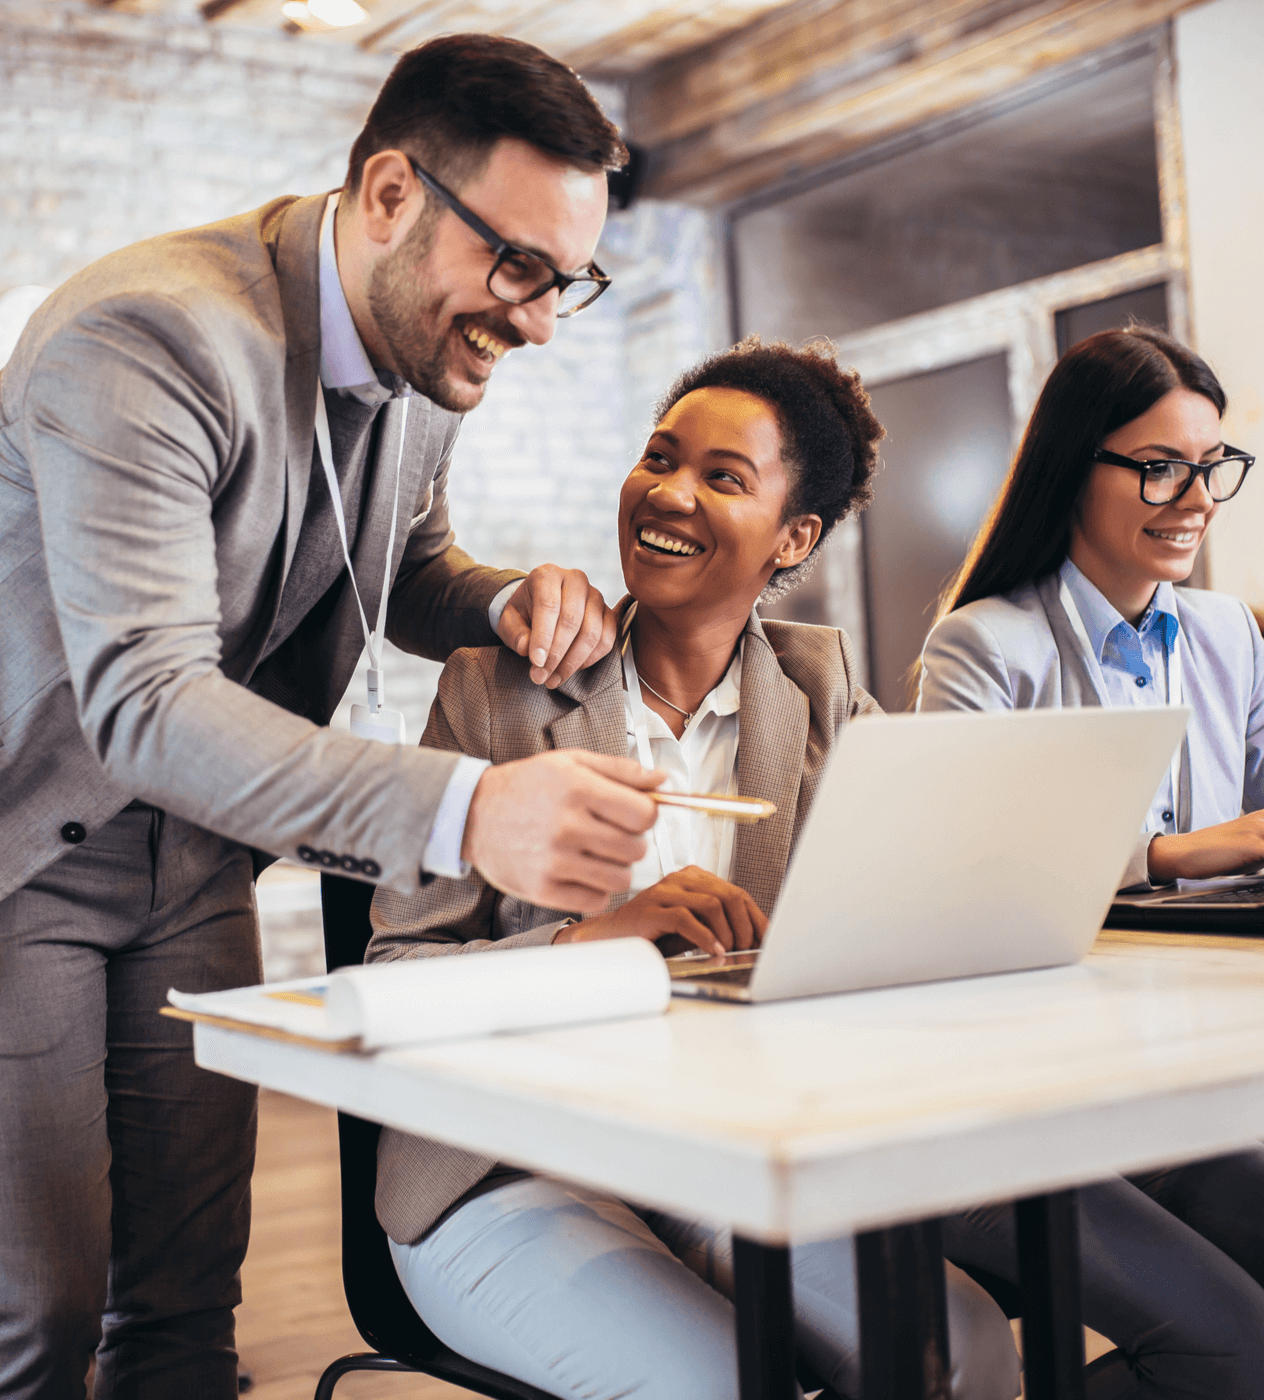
point(1135, 661)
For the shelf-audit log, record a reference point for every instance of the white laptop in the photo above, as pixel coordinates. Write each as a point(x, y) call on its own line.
point(948, 845)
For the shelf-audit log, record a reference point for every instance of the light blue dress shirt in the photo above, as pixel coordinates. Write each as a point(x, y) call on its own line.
point(346, 369)
point(1135, 661)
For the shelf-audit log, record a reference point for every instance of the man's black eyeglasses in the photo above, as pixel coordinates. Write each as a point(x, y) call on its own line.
point(1163, 482)
point(518, 276)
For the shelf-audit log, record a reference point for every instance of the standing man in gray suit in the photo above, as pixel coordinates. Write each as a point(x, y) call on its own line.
point(197, 435)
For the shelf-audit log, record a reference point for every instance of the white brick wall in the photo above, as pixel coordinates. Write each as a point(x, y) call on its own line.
point(114, 127)
point(117, 126)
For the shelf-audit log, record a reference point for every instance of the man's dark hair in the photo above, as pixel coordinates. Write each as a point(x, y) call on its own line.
point(447, 103)
point(829, 435)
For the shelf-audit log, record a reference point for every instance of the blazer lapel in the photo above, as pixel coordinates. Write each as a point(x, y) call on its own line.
point(775, 716)
point(597, 722)
point(1078, 686)
point(298, 284)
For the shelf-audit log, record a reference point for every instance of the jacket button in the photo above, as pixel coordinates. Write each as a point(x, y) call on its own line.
point(370, 868)
point(327, 859)
point(306, 853)
point(74, 832)
point(349, 864)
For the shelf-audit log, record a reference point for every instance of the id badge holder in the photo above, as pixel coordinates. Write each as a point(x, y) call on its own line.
point(386, 726)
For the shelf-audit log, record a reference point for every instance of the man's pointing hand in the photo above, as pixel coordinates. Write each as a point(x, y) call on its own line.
point(560, 829)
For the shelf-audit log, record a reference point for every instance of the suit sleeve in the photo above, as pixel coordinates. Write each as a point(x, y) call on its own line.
point(963, 668)
point(440, 597)
point(451, 916)
point(132, 420)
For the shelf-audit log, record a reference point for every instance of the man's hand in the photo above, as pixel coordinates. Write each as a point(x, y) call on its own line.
point(691, 903)
point(560, 829)
point(1230, 848)
point(559, 621)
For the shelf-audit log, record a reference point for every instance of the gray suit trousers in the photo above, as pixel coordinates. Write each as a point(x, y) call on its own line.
point(124, 1169)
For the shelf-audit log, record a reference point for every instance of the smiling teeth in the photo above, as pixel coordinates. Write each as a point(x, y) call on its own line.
point(482, 341)
point(666, 542)
point(1176, 536)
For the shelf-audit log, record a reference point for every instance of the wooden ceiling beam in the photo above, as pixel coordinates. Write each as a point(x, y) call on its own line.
point(817, 82)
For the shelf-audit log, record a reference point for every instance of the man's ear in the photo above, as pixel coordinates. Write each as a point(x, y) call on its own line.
point(802, 534)
point(390, 197)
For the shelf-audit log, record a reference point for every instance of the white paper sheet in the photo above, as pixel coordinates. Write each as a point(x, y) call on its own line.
point(444, 998)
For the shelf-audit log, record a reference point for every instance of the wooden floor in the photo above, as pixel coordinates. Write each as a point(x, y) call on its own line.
point(293, 1321)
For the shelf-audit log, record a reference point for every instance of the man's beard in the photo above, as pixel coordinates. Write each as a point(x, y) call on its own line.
point(409, 321)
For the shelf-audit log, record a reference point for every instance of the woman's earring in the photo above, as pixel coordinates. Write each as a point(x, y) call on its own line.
point(777, 560)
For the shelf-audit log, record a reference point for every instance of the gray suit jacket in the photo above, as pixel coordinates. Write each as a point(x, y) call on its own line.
point(156, 437)
point(798, 690)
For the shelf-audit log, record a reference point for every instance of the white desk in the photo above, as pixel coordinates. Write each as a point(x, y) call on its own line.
point(845, 1113)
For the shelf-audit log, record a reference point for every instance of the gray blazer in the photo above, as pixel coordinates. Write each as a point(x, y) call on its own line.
point(156, 429)
point(1018, 651)
point(798, 690)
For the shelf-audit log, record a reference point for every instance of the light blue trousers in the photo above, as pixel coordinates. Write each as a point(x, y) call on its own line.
point(580, 1295)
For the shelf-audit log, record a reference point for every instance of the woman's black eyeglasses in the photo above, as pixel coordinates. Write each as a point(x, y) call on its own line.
point(1163, 482)
point(518, 276)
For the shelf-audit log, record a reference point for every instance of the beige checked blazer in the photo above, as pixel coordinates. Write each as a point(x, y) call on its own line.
point(798, 690)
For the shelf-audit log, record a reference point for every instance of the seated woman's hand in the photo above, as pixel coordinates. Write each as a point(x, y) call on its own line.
point(1230, 848)
point(692, 904)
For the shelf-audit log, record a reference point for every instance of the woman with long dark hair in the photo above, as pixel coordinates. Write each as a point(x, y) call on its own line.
point(1066, 598)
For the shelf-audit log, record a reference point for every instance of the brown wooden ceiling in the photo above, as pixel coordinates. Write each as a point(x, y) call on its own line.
point(602, 38)
point(727, 97)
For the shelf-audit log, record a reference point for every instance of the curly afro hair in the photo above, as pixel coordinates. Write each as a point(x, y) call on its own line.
point(829, 434)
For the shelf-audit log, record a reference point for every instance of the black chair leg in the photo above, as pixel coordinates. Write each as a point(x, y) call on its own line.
point(357, 1361)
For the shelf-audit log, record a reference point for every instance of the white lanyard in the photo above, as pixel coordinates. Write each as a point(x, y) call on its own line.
point(640, 728)
point(1174, 689)
point(389, 722)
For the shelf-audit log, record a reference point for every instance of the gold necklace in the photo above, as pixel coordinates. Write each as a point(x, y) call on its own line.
point(666, 701)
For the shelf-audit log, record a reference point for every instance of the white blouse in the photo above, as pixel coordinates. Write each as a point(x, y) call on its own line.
point(703, 759)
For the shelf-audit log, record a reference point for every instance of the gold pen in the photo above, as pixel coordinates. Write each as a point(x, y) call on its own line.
point(718, 804)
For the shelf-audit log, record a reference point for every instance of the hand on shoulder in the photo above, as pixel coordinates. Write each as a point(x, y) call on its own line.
point(559, 622)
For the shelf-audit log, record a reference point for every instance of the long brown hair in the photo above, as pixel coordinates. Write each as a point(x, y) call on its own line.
point(1094, 389)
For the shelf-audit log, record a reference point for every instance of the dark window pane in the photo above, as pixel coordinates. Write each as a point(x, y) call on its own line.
point(945, 457)
point(1146, 304)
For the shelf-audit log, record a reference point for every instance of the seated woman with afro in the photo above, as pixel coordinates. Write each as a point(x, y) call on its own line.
point(758, 452)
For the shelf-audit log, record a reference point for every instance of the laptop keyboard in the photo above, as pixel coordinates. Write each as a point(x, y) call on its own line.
point(1244, 894)
point(728, 977)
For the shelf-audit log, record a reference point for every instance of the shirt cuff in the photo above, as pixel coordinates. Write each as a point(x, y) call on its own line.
point(442, 855)
point(497, 605)
point(1136, 874)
